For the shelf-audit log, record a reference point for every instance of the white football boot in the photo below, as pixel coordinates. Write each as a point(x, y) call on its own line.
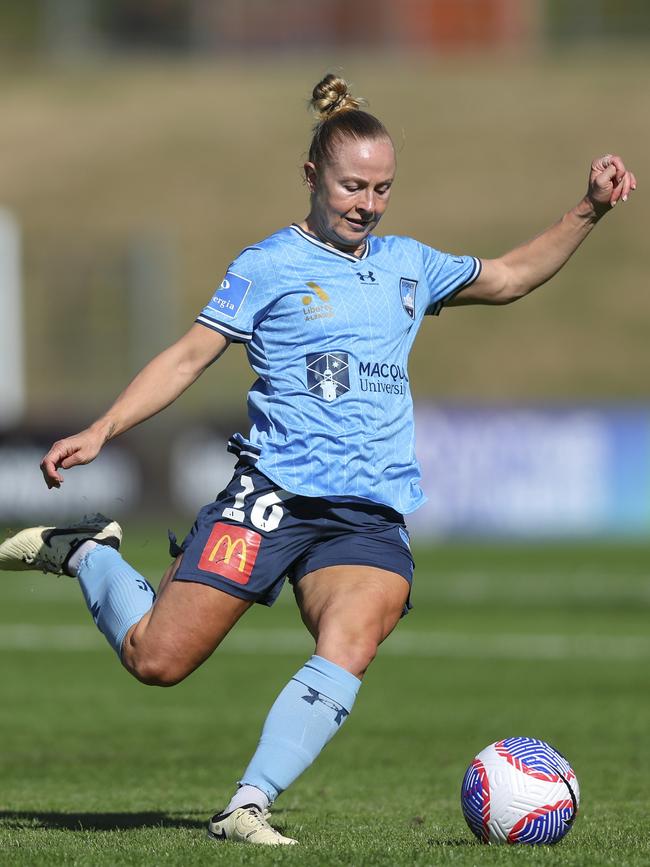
point(247, 825)
point(50, 548)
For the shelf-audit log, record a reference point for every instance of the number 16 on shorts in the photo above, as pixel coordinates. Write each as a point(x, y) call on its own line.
point(266, 512)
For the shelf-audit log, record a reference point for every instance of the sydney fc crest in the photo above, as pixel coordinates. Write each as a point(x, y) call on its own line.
point(328, 374)
point(407, 293)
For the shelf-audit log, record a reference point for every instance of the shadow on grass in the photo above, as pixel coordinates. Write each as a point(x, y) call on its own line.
point(95, 821)
point(444, 841)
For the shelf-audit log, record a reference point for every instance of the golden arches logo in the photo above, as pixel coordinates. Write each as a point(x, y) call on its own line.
point(322, 294)
point(230, 552)
point(231, 547)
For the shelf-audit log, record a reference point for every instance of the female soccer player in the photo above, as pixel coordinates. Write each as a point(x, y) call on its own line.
point(328, 312)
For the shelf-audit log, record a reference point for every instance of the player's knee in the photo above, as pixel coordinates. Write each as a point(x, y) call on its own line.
point(155, 670)
point(354, 652)
point(361, 655)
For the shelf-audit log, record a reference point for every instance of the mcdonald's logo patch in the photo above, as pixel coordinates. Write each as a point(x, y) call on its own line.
point(231, 552)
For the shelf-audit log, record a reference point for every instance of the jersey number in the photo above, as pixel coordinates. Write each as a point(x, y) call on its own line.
point(266, 513)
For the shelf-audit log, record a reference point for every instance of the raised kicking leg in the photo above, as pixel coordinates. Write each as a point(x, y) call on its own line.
point(161, 643)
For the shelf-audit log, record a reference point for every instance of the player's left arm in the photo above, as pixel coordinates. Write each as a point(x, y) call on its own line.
point(523, 269)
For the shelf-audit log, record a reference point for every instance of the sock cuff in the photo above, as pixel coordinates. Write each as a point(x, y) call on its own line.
point(117, 642)
point(103, 556)
point(330, 680)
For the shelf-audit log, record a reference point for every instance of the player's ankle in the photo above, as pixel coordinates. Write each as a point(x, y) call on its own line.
point(77, 556)
point(247, 795)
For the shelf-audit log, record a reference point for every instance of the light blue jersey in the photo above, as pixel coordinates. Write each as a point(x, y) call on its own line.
point(328, 335)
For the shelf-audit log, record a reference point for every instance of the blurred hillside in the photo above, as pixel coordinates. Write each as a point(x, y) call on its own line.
point(195, 160)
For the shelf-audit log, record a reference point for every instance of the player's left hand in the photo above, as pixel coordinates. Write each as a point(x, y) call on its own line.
point(609, 182)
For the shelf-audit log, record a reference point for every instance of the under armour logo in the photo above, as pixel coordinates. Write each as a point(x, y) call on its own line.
point(369, 277)
point(315, 696)
point(143, 584)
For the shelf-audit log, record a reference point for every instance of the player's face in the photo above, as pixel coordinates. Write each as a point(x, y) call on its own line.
point(351, 192)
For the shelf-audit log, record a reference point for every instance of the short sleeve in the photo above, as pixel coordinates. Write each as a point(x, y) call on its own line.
point(446, 275)
point(239, 298)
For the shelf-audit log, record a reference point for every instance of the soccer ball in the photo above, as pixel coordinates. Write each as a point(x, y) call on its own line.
point(520, 790)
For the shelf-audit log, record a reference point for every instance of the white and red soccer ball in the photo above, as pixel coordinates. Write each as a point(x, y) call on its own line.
point(520, 790)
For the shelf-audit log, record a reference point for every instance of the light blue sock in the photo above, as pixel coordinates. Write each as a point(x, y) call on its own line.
point(304, 718)
point(116, 595)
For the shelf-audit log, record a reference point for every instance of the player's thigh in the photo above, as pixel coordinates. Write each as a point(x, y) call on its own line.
point(169, 573)
point(186, 624)
point(350, 610)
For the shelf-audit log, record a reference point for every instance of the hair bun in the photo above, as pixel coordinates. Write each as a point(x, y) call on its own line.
point(331, 95)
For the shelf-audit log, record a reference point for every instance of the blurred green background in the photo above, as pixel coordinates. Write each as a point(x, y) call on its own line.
point(123, 149)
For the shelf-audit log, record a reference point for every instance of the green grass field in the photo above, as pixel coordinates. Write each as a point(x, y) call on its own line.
point(544, 641)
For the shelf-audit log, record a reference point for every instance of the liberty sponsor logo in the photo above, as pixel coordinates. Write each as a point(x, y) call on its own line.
point(229, 297)
point(328, 374)
point(407, 289)
point(382, 376)
point(317, 309)
point(230, 552)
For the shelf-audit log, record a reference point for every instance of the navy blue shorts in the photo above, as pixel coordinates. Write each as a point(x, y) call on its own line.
point(255, 535)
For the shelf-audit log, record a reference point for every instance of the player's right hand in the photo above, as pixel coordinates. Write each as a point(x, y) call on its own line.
point(82, 448)
point(609, 182)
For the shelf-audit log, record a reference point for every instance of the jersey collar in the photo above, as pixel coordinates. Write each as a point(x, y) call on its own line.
point(314, 240)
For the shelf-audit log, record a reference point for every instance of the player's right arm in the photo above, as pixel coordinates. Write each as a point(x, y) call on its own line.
point(157, 385)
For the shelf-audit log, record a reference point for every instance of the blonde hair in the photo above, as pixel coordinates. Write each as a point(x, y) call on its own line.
point(331, 95)
point(339, 115)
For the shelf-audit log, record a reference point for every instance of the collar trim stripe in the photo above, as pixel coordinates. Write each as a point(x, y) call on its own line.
point(317, 243)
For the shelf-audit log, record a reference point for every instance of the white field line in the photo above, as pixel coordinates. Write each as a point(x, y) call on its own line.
point(418, 645)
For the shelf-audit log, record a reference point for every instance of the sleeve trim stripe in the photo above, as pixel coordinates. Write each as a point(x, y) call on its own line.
point(478, 267)
point(228, 331)
point(473, 277)
point(436, 308)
